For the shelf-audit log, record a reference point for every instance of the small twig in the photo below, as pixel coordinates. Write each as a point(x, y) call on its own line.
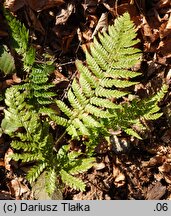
point(64, 95)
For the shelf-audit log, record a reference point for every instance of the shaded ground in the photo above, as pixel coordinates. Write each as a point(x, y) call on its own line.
point(62, 29)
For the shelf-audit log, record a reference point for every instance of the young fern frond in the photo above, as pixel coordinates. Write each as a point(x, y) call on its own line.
point(19, 33)
point(20, 40)
point(40, 88)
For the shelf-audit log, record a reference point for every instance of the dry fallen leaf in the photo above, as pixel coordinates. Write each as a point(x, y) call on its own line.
point(43, 4)
point(35, 23)
point(4, 195)
point(7, 159)
point(119, 177)
point(17, 188)
point(64, 14)
point(15, 5)
point(102, 24)
point(99, 166)
point(2, 163)
point(166, 167)
point(16, 79)
point(155, 192)
point(156, 160)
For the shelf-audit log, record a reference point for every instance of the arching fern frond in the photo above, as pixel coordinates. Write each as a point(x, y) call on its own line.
point(103, 79)
point(40, 88)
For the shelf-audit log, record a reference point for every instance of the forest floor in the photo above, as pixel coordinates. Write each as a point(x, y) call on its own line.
point(62, 28)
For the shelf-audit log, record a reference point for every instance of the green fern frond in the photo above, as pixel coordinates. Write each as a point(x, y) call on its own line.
point(7, 64)
point(82, 165)
point(72, 181)
point(101, 102)
point(39, 74)
point(80, 126)
point(108, 67)
point(160, 95)
point(78, 93)
point(35, 171)
point(73, 101)
point(59, 120)
point(132, 132)
point(92, 80)
point(97, 112)
point(71, 130)
point(50, 179)
point(117, 83)
point(19, 33)
point(89, 121)
point(20, 39)
point(121, 73)
point(73, 155)
point(95, 104)
point(86, 87)
point(93, 66)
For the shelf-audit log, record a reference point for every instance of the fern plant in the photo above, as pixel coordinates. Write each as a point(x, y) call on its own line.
point(32, 136)
point(95, 104)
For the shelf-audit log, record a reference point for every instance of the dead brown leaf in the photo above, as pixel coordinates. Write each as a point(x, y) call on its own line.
point(156, 160)
point(43, 4)
point(119, 177)
point(35, 23)
point(64, 14)
point(165, 47)
point(3, 33)
point(15, 78)
point(2, 163)
point(167, 135)
point(7, 159)
point(166, 167)
point(15, 5)
point(162, 3)
point(17, 188)
point(4, 195)
point(156, 191)
point(102, 24)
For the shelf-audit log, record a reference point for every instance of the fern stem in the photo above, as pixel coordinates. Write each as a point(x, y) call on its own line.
point(56, 147)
